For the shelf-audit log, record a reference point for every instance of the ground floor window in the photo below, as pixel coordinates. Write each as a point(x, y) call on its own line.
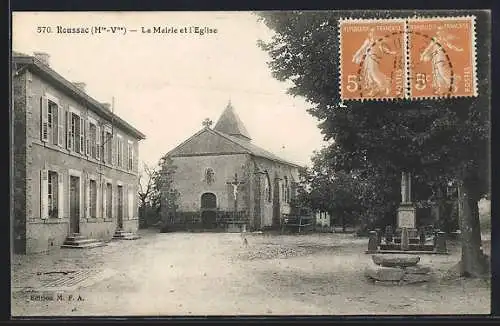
point(52, 194)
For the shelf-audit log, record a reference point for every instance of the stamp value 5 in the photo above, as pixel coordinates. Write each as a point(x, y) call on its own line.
point(372, 59)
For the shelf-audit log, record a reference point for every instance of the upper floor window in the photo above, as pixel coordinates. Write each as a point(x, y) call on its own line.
point(52, 121)
point(130, 147)
point(119, 152)
point(107, 155)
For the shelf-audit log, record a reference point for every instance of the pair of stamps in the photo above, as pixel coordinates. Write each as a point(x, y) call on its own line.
point(417, 58)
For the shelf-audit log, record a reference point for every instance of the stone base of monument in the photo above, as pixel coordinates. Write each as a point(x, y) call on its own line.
point(397, 270)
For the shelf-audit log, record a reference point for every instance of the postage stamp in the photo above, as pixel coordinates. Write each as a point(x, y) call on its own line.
point(442, 57)
point(372, 59)
point(414, 58)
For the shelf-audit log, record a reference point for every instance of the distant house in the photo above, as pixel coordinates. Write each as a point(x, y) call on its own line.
point(75, 163)
point(322, 219)
point(222, 177)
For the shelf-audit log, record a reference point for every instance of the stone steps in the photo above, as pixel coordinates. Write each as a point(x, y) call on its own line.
point(77, 241)
point(124, 235)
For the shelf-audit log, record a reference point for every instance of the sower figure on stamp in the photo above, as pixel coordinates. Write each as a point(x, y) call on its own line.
point(441, 70)
point(369, 56)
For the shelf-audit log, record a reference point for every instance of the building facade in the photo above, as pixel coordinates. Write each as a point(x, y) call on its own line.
point(221, 176)
point(75, 163)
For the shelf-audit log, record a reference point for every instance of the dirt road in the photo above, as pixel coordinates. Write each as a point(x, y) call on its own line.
point(215, 274)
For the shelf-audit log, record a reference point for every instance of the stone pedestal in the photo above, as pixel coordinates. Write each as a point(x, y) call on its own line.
point(372, 242)
point(406, 216)
point(405, 241)
point(441, 242)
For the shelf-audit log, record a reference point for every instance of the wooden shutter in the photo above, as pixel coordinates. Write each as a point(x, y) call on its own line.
point(69, 128)
point(130, 202)
point(114, 205)
point(44, 194)
point(104, 199)
point(60, 195)
point(60, 126)
point(45, 118)
point(87, 195)
point(115, 150)
point(87, 138)
point(98, 142)
point(82, 135)
point(98, 208)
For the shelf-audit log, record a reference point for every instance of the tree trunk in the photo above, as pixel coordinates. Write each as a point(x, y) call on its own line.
point(473, 262)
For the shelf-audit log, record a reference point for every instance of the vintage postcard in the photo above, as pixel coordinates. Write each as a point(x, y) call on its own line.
point(265, 163)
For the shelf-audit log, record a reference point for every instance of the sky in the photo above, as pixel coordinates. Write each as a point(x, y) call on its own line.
point(166, 84)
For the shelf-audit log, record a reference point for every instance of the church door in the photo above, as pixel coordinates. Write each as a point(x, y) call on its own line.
point(209, 210)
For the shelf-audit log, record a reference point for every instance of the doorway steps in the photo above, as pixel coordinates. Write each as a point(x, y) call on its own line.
point(124, 235)
point(78, 241)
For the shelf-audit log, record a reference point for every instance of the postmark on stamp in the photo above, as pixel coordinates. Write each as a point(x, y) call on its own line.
point(414, 58)
point(442, 57)
point(372, 59)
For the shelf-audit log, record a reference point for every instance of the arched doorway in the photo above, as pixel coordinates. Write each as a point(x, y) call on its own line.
point(209, 210)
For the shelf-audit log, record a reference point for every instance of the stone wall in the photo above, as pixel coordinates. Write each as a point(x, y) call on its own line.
point(19, 153)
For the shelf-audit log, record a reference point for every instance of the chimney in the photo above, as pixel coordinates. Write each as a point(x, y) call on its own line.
point(42, 57)
point(80, 85)
point(107, 105)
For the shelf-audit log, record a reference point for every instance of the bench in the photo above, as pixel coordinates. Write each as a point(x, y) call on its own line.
point(298, 222)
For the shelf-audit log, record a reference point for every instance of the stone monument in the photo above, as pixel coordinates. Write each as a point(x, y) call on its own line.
point(406, 210)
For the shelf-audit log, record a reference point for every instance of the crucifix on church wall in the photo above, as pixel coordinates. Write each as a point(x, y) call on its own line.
point(235, 183)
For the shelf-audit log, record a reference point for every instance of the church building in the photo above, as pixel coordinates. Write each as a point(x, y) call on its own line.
point(223, 180)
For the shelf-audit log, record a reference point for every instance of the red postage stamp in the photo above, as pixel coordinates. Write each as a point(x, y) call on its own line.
point(372, 59)
point(442, 57)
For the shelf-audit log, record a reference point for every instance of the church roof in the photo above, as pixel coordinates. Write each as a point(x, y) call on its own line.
point(213, 142)
point(230, 124)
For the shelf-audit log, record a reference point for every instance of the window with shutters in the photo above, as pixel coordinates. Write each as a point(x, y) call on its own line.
point(52, 194)
point(52, 123)
point(130, 156)
point(119, 152)
point(75, 132)
point(107, 147)
point(93, 198)
point(92, 135)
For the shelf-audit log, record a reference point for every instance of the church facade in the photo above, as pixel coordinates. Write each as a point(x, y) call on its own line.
point(223, 179)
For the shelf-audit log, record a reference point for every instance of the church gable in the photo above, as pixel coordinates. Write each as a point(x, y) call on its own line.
point(207, 142)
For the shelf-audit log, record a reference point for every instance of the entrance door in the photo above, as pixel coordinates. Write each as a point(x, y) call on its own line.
point(120, 208)
point(74, 204)
point(209, 210)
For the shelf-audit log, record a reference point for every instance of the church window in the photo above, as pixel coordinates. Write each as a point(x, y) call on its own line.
point(267, 187)
point(286, 191)
point(209, 176)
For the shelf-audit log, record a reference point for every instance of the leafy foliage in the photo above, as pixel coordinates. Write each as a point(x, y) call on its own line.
point(433, 139)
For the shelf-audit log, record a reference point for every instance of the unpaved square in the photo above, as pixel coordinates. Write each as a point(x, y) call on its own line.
point(216, 274)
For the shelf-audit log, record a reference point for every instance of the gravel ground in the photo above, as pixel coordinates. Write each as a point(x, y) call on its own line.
point(216, 274)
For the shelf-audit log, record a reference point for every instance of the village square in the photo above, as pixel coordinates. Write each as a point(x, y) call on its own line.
point(308, 167)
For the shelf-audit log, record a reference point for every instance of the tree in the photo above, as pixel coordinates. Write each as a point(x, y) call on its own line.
point(169, 196)
point(445, 139)
point(149, 195)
